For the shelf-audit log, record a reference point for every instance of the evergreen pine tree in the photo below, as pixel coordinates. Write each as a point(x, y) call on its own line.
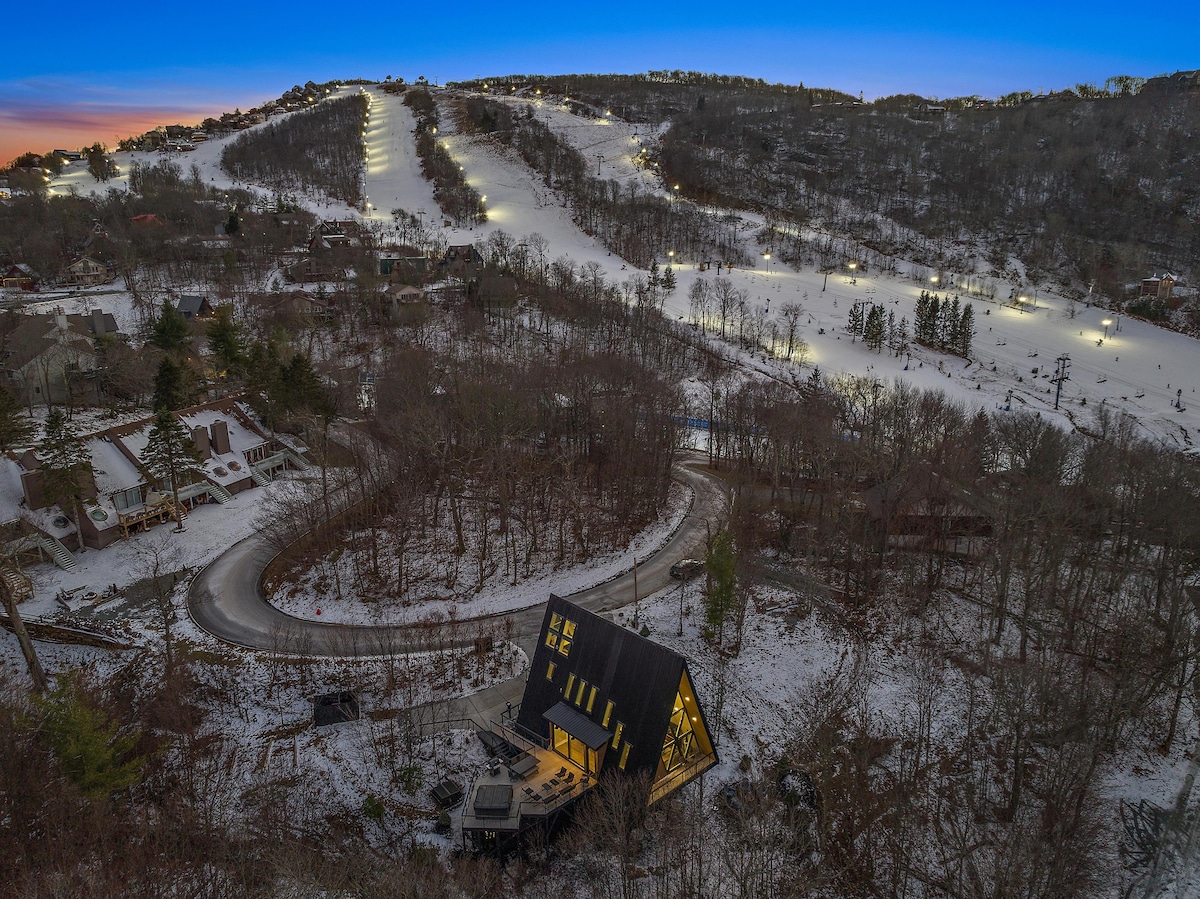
point(966, 331)
point(263, 372)
point(902, 345)
point(719, 598)
point(921, 318)
point(15, 426)
point(951, 314)
point(302, 391)
point(873, 329)
point(931, 336)
point(668, 280)
point(66, 465)
point(171, 456)
point(891, 330)
point(170, 332)
point(225, 341)
point(854, 322)
point(87, 741)
point(169, 391)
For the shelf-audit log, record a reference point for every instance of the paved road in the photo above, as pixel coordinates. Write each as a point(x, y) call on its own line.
point(226, 597)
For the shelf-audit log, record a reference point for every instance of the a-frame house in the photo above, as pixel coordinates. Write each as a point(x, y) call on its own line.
point(610, 699)
point(600, 699)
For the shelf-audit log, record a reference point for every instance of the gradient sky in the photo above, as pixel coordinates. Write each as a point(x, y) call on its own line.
point(72, 75)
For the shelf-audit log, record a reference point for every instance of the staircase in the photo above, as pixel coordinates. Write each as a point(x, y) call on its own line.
point(262, 480)
point(61, 555)
point(219, 493)
point(297, 461)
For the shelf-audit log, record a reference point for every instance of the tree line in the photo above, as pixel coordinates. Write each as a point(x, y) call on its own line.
point(458, 200)
point(1081, 190)
point(318, 149)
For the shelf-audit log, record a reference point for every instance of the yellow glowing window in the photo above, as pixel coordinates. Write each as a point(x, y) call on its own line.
point(570, 682)
point(555, 621)
point(607, 713)
point(551, 639)
point(591, 700)
point(625, 755)
point(568, 629)
point(564, 646)
point(617, 734)
point(579, 695)
point(550, 671)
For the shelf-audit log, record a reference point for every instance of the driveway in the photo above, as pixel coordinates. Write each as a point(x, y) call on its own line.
point(226, 597)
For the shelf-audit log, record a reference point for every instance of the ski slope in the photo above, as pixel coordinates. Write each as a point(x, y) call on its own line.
point(1138, 368)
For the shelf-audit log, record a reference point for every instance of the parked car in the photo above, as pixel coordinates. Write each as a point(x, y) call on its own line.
point(686, 568)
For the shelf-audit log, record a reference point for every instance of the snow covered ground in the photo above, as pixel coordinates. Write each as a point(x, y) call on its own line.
point(1139, 368)
point(303, 596)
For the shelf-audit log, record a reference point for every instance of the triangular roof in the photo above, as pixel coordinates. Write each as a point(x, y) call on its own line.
point(616, 691)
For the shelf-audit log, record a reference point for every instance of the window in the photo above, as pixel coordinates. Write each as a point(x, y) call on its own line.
point(560, 633)
point(591, 700)
point(617, 734)
point(550, 671)
point(127, 499)
point(608, 709)
point(570, 683)
point(579, 695)
point(685, 739)
point(625, 755)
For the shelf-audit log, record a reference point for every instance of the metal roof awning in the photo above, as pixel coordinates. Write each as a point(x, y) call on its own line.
point(578, 725)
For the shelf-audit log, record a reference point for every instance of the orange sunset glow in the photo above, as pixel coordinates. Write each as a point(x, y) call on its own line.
point(71, 127)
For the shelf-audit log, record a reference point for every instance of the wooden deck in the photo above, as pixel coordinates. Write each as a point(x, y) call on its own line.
point(141, 518)
point(537, 795)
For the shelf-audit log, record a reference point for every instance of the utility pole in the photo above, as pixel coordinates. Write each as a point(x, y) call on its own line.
point(682, 587)
point(635, 593)
point(1064, 363)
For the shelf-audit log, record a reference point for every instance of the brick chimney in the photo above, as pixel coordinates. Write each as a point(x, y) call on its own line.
point(200, 438)
point(220, 437)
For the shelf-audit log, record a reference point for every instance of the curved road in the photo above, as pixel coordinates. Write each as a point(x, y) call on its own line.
point(226, 597)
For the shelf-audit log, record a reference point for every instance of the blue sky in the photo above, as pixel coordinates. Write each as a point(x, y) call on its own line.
point(75, 71)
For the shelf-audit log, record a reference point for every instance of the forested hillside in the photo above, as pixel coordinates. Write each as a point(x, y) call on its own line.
point(1082, 187)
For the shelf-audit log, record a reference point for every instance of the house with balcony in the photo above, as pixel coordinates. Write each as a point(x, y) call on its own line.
point(124, 497)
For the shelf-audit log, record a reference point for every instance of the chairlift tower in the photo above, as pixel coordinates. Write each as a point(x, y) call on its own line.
point(1064, 363)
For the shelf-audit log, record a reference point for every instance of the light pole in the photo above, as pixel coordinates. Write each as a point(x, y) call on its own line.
point(1106, 323)
point(767, 256)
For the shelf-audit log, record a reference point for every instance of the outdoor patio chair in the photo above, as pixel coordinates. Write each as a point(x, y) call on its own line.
point(562, 771)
